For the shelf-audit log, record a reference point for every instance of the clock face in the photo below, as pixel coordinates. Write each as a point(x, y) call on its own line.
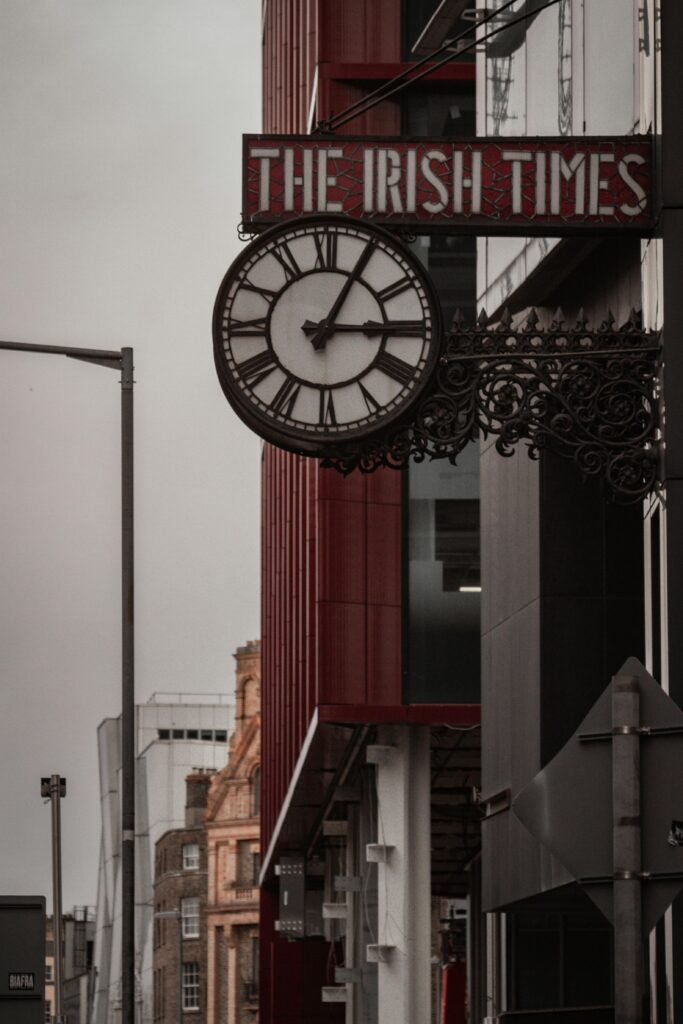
point(324, 329)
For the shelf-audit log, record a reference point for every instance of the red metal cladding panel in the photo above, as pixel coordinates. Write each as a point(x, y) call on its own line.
point(360, 31)
point(384, 635)
point(383, 554)
point(342, 638)
point(343, 488)
point(385, 487)
point(342, 563)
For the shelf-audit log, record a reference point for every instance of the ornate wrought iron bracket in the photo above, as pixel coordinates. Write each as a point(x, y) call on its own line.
point(589, 395)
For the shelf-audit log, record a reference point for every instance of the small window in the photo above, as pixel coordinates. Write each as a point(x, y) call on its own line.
point(221, 736)
point(189, 909)
point(48, 1011)
point(190, 986)
point(255, 792)
point(255, 867)
point(207, 734)
point(191, 857)
point(164, 734)
point(178, 734)
point(192, 734)
point(49, 973)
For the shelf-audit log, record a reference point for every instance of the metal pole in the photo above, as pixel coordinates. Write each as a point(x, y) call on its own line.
point(626, 846)
point(55, 788)
point(127, 697)
point(122, 361)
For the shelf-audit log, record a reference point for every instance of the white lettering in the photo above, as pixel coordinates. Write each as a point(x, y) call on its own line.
point(559, 168)
point(598, 185)
point(411, 175)
point(388, 177)
point(517, 158)
point(460, 182)
point(264, 156)
point(305, 179)
point(638, 191)
point(540, 184)
point(327, 181)
point(437, 184)
point(368, 175)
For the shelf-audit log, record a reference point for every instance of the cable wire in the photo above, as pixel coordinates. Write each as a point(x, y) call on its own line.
point(383, 92)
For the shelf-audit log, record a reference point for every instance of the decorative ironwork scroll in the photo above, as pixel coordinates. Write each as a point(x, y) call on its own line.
point(589, 395)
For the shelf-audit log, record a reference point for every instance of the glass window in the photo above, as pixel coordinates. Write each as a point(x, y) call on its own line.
point(189, 909)
point(256, 792)
point(48, 1011)
point(190, 986)
point(49, 973)
point(415, 16)
point(255, 867)
point(192, 734)
point(164, 734)
point(178, 734)
point(443, 109)
point(444, 586)
point(191, 857)
point(207, 734)
point(221, 736)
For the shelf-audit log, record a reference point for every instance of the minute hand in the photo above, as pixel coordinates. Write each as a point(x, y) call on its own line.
point(326, 327)
point(371, 328)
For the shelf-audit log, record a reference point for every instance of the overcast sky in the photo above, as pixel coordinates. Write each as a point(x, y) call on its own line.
point(120, 132)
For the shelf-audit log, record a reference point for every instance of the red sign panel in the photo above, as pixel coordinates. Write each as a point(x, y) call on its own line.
point(525, 186)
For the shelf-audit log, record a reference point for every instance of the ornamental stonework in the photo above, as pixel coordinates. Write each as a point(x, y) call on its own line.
point(232, 828)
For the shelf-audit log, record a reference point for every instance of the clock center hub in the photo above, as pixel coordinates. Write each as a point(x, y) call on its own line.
point(346, 354)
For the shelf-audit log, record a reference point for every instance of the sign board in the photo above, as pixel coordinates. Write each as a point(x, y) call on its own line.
point(568, 805)
point(524, 186)
point(21, 981)
point(22, 959)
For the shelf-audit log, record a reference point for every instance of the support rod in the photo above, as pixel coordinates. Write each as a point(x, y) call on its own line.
point(626, 845)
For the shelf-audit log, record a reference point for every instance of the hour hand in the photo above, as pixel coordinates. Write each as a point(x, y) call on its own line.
point(371, 328)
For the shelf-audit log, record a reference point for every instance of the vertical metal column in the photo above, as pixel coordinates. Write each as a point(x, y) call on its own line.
point(55, 789)
point(629, 949)
point(127, 698)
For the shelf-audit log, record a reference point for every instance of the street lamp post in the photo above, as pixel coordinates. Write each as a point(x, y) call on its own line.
point(176, 915)
point(53, 789)
point(123, 361)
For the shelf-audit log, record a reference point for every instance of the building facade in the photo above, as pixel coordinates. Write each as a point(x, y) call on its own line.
point(233, 839)
point(175, 736)
point(375, 651)
point(370, 627)
point(572, 583)
point(180, 890)
point(78, 936)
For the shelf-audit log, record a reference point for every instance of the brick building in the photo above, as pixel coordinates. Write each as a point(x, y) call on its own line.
point(232, 823)
point(180, 888)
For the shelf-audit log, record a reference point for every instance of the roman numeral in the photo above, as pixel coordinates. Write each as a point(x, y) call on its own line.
point(392, 290)
point(370, 400)
point(266, 293)
point(395, 368)
point(327, 413)
point(286, 397)
point(326, 250)
point(247, 328)
point(285, 257)
point(257, 368)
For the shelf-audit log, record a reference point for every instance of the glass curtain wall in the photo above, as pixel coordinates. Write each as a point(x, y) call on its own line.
point(441, 507)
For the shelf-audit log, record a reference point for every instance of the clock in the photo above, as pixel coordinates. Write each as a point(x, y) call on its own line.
point(325, 329)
